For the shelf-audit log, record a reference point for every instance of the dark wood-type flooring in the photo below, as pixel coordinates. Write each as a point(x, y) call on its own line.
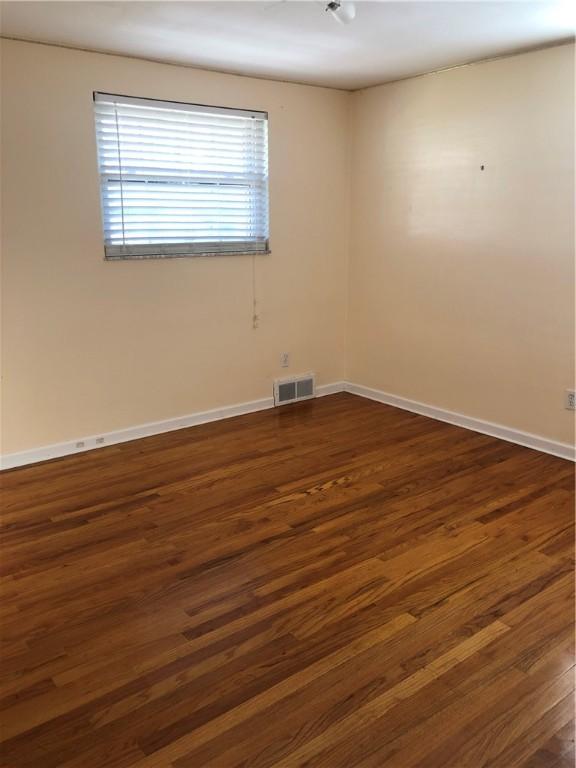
point(337, 583)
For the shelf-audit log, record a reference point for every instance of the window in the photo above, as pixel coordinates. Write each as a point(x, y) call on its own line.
point(181, 179)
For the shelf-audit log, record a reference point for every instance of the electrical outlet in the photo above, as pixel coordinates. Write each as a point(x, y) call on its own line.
point(99, 440)
point(570, 400)
point(80, 444)
point(284, 360)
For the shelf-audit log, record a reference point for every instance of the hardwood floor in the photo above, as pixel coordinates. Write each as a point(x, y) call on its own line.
point(337, 583)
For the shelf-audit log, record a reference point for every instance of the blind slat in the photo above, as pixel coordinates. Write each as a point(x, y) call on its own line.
point(181, 179)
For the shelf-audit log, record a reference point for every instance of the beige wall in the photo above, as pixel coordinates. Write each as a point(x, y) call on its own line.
point(457, 289)
point(462, 280)
point(91, 346)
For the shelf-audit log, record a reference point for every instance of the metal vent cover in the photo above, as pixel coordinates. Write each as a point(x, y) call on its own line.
point(293, 390)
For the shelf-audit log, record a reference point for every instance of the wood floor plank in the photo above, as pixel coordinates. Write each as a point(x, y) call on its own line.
point(337, 583)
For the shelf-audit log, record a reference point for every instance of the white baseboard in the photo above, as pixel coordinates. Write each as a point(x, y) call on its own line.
point(528, 440)
point(81, 444)
point(330, 389)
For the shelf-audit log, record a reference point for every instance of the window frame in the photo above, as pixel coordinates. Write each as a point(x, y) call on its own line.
point(184, 249)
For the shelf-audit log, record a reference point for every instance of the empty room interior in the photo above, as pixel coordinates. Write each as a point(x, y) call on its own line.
point(287, 384)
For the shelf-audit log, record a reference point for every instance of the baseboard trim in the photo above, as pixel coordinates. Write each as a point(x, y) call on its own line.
point(526, 439)
point(82, 444)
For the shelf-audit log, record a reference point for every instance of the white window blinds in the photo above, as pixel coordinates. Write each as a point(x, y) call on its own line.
point(181, 179)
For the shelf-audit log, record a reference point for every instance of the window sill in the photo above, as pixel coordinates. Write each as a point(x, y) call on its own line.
point(162, 256)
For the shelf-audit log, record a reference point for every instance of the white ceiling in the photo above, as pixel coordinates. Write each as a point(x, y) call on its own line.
point(299, 41)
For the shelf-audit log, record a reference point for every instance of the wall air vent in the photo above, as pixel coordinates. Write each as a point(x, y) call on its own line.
point(293, 390)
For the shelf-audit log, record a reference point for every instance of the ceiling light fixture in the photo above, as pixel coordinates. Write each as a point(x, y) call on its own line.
point(343, 12)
